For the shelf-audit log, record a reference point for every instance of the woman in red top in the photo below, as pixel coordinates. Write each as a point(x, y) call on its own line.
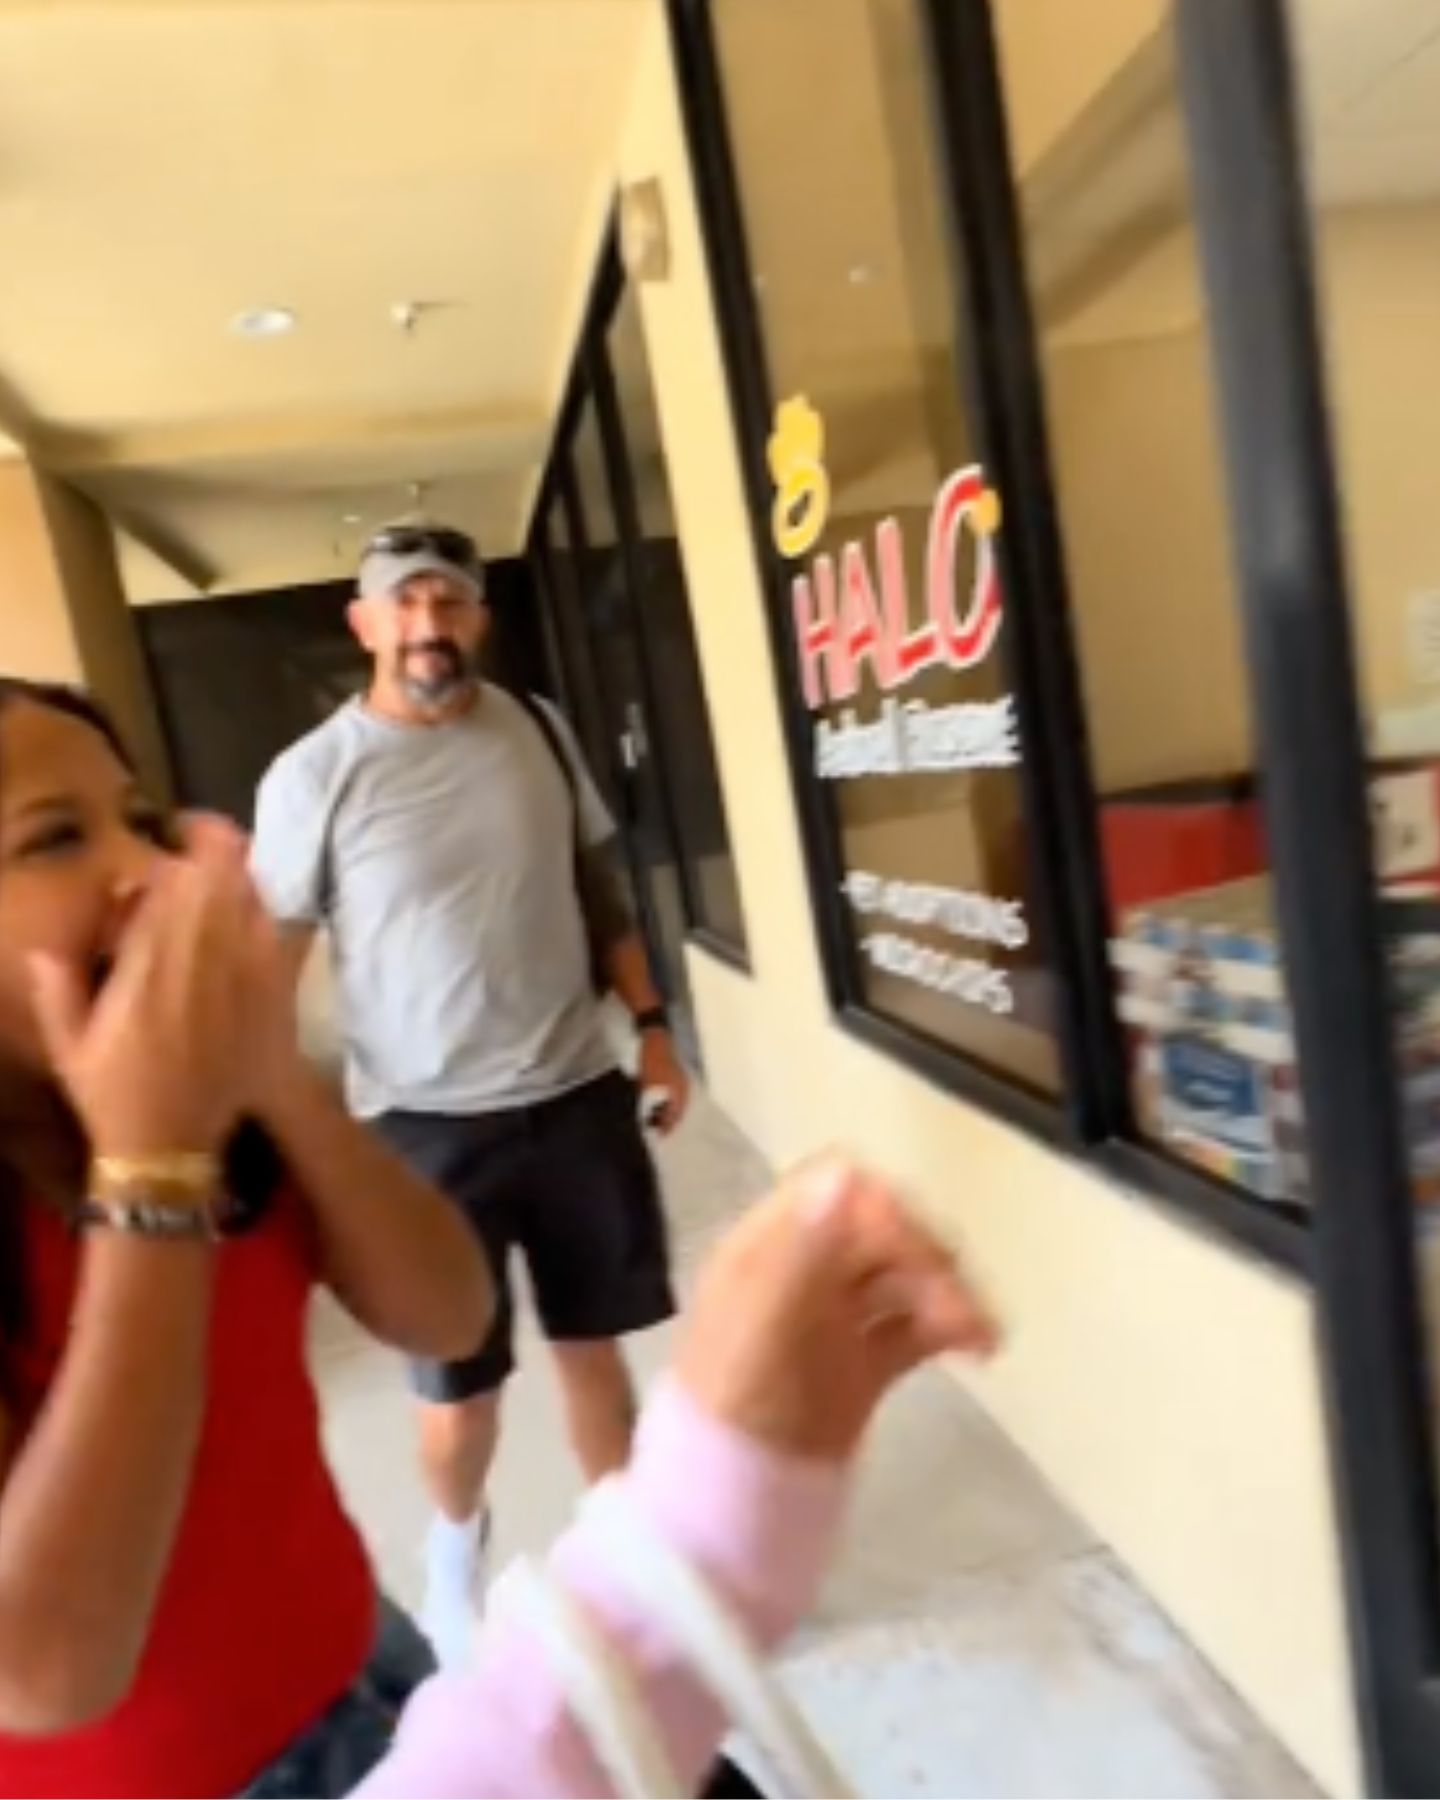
point(184, 1606)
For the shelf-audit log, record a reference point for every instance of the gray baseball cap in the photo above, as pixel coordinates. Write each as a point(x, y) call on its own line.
point(401, 552)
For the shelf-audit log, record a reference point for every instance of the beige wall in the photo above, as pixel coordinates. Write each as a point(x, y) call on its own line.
point(63, 615)
point(1381, 290)
point(1146, 530)
point(1054, 70)
point(37, 635)
point(1165, 1384)
point(1145, 516)
point(105, 632)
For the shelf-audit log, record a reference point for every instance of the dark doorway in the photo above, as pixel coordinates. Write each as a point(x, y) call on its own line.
point(239, 679)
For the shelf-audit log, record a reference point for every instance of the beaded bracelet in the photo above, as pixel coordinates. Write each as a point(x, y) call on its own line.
point(150, 1219)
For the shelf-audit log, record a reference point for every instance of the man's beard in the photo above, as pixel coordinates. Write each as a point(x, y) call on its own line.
point(451, 675)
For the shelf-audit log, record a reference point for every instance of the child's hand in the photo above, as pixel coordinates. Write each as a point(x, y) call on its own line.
point(816, 1304)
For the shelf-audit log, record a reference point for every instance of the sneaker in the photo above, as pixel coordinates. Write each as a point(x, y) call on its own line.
point(456, 1569)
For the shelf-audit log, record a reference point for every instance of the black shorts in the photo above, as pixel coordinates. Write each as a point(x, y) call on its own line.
point(570, 1184)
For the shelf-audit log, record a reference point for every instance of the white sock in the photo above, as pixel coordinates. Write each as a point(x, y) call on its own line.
point(453, 1558)
point(453, 1546)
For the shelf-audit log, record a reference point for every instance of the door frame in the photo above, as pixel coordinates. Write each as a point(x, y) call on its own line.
point(592, 384)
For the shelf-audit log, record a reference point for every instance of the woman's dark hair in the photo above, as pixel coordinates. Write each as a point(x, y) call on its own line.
point(73, 702)
point(253, 1167)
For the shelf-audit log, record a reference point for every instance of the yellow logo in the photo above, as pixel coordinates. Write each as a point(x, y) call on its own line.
point(985, 514)
point(796, 453)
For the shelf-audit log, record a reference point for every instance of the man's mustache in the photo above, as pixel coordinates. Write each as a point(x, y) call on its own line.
point(437, 647)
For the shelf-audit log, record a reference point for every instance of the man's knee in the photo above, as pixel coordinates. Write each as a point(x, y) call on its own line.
point(594, 1366)
point(460, 1425)
point(597, 1385)
point(600, 1404)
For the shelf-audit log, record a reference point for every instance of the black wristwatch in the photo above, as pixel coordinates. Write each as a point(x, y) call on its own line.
point(654, 1018)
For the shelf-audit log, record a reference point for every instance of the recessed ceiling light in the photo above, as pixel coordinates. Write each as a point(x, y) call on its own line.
point(351, 519)
point(264, 322)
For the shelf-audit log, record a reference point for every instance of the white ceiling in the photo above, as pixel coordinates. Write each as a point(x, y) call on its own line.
point(1370, 74)
point(166, 164)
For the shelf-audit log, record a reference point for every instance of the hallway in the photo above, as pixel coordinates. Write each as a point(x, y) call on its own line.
point(974, 1638)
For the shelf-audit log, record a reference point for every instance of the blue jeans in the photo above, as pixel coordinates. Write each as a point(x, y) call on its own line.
point(342, 1748)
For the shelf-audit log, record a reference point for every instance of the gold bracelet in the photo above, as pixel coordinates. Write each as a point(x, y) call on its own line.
point(186, 1177)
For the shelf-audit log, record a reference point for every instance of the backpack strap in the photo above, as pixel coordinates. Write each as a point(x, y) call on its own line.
point(544, 723)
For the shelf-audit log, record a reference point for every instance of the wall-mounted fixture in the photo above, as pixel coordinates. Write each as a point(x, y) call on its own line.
point(264, 322)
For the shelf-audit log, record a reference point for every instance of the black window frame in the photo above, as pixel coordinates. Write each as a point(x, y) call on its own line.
point(1257, 244)
point(1356, 1250)
point(591, 382)
point(1001, 393)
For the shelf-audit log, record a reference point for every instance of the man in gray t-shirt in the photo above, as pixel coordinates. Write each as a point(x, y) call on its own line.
point(449, 840)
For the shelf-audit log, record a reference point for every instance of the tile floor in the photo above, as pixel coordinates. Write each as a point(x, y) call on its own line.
point(974, 1639)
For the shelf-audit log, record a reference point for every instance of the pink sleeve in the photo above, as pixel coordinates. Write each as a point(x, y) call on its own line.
point(759, 1526)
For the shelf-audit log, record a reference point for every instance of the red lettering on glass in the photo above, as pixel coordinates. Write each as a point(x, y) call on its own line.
point(814, 606)
point(863, 630)
point(836, 641)
point(910, 651)
point(967, 640)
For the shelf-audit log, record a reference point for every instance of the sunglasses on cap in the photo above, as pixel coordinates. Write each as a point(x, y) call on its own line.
point(429, 540)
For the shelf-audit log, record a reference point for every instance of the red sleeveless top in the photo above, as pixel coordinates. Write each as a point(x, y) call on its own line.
point(267, 1614)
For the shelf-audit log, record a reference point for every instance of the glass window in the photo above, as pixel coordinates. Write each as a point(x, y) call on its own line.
point(1103, 182)
point(686, 748)
point(612, 641)
point(887, 525)
point(1371, 87)
point(560, 570)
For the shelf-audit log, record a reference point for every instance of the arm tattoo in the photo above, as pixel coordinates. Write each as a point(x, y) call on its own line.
point(604, 895)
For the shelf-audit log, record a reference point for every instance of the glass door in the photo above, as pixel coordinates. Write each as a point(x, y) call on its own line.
point(615, 653)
